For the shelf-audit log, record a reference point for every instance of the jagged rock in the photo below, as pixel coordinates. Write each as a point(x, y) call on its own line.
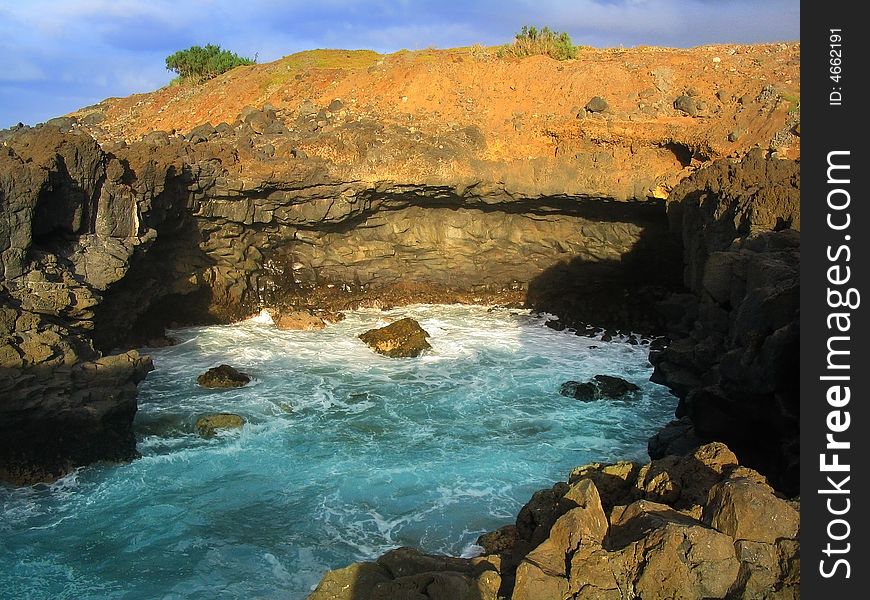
point(404, 338)
point(208, 425)
point(598, 388)
point(642, 517)
point(537, 517)
point(299, 320)
point(734, 369)
point(677, 437)
point(534, 580)
point(353, 582)
point(503, 539)
point(747, 510)
point(615, 483)
point(573, 540)
point(223, 376)
point(686, 561)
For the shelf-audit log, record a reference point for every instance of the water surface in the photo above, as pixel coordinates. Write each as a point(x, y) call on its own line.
point(345, 454)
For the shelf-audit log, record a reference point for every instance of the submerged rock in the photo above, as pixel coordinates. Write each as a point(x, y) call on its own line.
point(209, 425)
point(404, 338)
point(598, 388)
point(223, 376)
point(299, 320)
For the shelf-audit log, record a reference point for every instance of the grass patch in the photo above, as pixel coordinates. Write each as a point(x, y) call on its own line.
point(794, 100)
point(531, 41)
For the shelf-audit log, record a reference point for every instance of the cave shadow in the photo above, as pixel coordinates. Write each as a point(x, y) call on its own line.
point(136, 310)
point(619, 294)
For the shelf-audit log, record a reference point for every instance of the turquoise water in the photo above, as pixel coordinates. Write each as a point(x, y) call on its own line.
point(345, 454)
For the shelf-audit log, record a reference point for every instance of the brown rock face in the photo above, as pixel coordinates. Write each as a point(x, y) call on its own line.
point(747, 511)
point(577, 541)
point(299, 320)
point(402, 339)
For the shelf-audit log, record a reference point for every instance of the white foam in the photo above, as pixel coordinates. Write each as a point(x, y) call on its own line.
point(264, 318)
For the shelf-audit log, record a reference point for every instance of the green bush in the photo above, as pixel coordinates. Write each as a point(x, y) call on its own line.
point(198, 63)
point(530, 41)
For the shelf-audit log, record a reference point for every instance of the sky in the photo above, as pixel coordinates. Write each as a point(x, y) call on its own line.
point(60, 55)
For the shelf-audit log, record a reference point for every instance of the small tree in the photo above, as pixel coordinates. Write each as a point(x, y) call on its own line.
point(201, 63)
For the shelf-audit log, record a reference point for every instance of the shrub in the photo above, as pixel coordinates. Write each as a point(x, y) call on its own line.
point(530, 41)
point(200, 63)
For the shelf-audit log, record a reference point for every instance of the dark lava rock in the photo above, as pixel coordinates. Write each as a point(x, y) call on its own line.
point(598, 388)
point(404, 338)
point(336, 105)
point(677, 437)
point(660, 343)
point(501, 540)
point(223, 376)
point(597, 104)
point(556, 325)
point(209, 425)
point(687, 105)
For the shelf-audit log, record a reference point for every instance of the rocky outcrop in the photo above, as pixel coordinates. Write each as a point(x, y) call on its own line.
point(103, 248)
point(401, 339)
point(697, 526)
point(208, 425)
point(66, 234)
point(300, 200)
point(223, 376)
point(599, 387)
point(734, 366)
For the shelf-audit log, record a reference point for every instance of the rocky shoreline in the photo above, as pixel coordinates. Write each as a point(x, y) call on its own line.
point(697, 526)
point(643, 217)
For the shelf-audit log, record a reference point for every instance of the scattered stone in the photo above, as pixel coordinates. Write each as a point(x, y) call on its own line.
point(93, 118)
point(307, 108)
point(335, 106)
point(404, 338)
point(209, 425)
point(734, 135)
point(157, 138)
point(223, 376)
point(598, 388)
point(597, 105)
point(687, 105)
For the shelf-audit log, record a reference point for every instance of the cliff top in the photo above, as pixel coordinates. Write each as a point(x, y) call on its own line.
point(741, 96)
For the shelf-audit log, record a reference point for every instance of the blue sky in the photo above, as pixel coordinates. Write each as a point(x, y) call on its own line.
point(59, 55)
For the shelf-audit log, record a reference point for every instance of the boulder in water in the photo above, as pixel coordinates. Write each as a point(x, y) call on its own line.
point(223, 376)
point(209, 425)
point(598, 388)
point(299, 320)
point(404, 338)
